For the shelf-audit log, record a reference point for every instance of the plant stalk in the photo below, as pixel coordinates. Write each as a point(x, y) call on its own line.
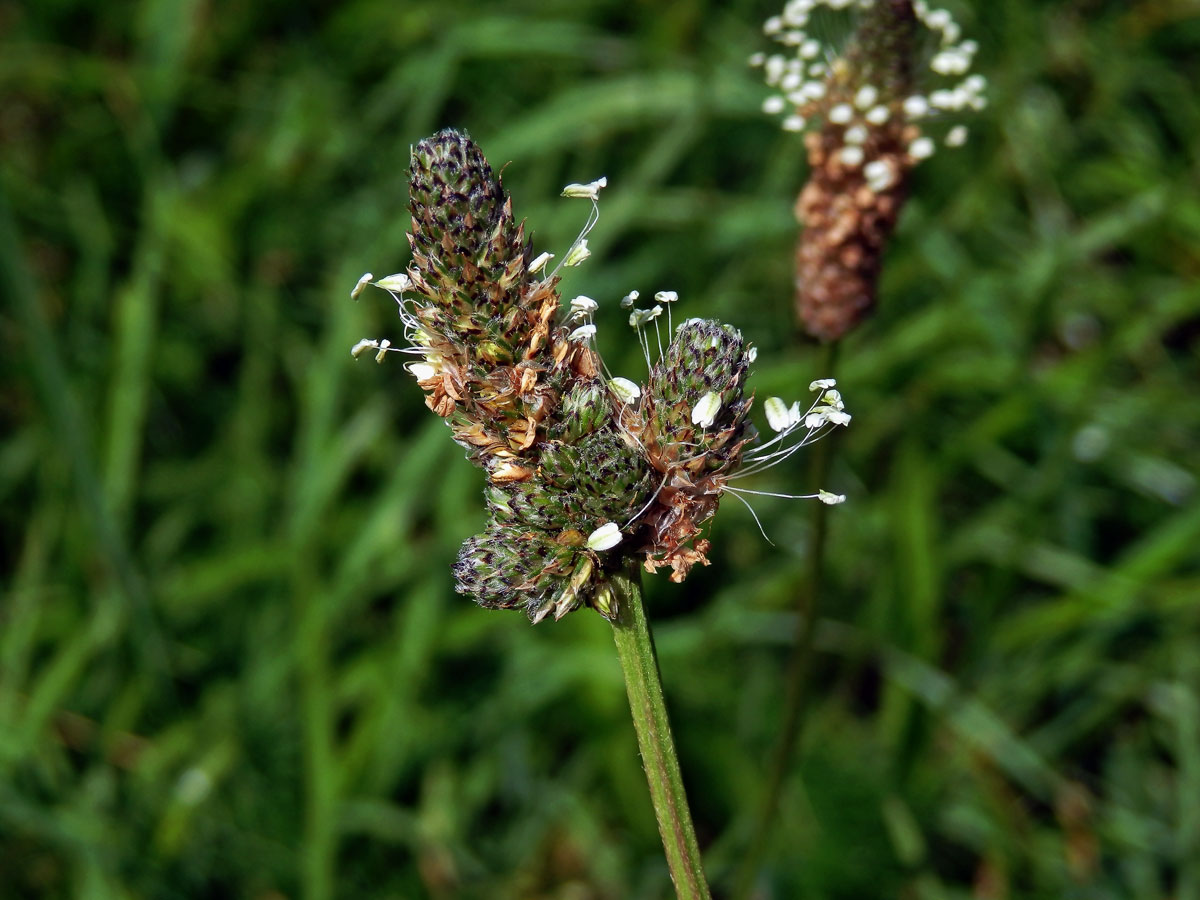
point(639, 664)
point(799, 665)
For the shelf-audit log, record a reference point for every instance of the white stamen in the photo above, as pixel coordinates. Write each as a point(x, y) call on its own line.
point(627, 391)
point(398, 282)
point(582, 307)
point(582, 333)
point(577, 254)
point(851, 156)
point(943, 99)
point(362, 283)
point(879, 175)
point(590, 191)
point(976, 84)
point(950, 62)
point(841, 114)
point(866, 96)
point(877, 115)
point(706, 409)
point(921, 148)
point(362, 347)
point(774, 69)
point(937, 19)
point(640, 317)
point(916, 106)
point(855, 134)
point(421, 371)
point(539, 262)
point(774, 105)
point(605, 537)
point(777, 413)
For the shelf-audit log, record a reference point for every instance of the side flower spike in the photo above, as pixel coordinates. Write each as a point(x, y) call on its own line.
point(871, 108)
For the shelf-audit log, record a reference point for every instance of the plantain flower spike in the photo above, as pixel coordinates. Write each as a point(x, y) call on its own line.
point(871, 107)
point(585, 470)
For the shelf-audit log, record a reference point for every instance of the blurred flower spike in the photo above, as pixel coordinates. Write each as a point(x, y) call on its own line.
point(871, 105)
point(585, 469)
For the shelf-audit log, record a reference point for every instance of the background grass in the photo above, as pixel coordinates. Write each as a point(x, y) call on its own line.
point(231, 660)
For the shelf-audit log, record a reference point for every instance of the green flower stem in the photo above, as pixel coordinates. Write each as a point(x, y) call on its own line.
point(639, 664)
point(798, 681)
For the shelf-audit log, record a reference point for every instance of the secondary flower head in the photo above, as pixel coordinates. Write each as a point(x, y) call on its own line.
point(584, 469)
point(872, 105)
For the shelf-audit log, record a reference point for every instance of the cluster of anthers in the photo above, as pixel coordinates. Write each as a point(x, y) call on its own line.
point(585, 469)
point(873, 101)
point(815, 81)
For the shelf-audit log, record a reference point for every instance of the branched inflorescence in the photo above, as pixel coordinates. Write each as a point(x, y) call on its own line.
point(872, 106)
point(584, 470)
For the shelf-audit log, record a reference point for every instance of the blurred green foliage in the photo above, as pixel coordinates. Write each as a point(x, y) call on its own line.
point(231, 660)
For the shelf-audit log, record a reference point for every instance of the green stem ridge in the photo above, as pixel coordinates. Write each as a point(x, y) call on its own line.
point(799, 665)
point(639, 665)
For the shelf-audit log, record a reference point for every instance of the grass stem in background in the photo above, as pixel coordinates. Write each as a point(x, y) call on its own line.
point(798, 681)
point(639, 665)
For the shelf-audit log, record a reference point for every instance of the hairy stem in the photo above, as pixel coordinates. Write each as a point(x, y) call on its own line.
point(639, 664)
point(797, 685)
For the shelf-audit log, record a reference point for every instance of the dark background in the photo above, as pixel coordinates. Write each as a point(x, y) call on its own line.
point(231, 660)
